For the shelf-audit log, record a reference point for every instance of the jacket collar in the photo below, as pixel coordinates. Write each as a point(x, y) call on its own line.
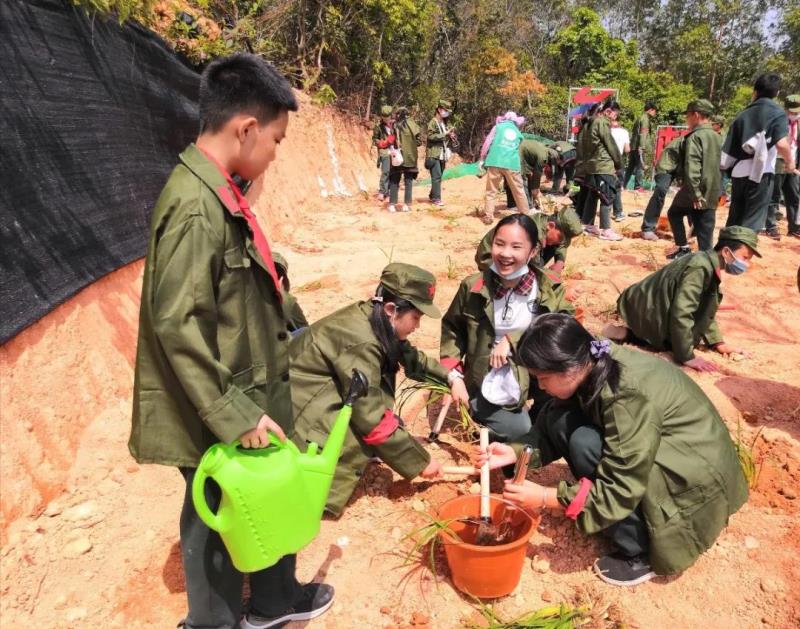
point(208, 172)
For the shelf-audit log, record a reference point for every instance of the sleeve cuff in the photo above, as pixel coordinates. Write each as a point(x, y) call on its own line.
point(452, 363)
point(232, 415)
point(576, 505)
point(409, 460)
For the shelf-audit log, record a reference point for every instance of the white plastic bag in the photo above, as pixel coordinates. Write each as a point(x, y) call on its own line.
point(396, 156)
point(500, 387)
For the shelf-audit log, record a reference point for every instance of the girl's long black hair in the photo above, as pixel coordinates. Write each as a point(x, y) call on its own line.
point(382, 328)
point(556, 342)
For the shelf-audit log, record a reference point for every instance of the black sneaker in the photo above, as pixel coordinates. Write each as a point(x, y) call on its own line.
point(774, 234)
point(679, 253)
point(316, 599)
point(624, 571)
point(793, 234)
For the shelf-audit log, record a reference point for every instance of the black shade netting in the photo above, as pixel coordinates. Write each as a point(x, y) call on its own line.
point(92, 118)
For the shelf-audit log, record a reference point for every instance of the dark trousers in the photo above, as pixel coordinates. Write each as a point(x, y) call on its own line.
point(635, 168)
point(436, 166)
point(600, 189)
point(789, 186)
point(567, 171)
point(618, 197)
point(749, 202)
point(580, 442)
point(385, 164)
point(408, 177)
point(656, 202)
point(703, 222)
point(213, 585)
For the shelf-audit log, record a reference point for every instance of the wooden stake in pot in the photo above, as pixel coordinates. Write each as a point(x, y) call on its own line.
point(487, 532)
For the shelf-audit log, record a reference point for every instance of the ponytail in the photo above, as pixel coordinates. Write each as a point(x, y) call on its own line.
point(557, 343)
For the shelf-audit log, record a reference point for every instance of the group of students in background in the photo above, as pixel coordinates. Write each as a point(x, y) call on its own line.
point(758, 160)
point(225, 353)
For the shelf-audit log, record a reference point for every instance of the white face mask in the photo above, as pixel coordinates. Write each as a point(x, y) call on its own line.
point(794, 117)
point(514, 274)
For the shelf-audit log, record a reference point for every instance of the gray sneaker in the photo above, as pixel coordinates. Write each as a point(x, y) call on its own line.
point(623, 571)
point(649, 235)
point(315, 601)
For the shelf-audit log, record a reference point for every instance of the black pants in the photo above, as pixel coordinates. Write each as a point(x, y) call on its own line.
point(213, 585)
point(656, 202)
point(749, 202)
point(617, 205)
point(703, 222)
point(789, 186)
point(567, 171)
point(580, 442)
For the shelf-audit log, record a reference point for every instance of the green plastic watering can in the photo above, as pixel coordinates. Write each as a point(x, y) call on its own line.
point(273, 497)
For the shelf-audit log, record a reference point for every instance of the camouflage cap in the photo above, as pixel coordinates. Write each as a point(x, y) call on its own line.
point(386, 110)
point(701, 106)
point(744, 235)
point(445, 104)
point(792, 103)
point(568, 223)
point(413, 284)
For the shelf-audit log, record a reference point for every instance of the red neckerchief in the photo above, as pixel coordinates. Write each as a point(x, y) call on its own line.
point(523, 287)
point(259, 239)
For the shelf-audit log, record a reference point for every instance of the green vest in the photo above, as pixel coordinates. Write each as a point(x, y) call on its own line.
point(504, 152)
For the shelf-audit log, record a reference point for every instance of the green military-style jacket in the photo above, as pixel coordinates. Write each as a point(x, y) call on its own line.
point(671, 160)
point(379, 134)
point(674, 308)
point(642, 137)
point(408, 139)
point(701, 175)
point(436, 140)
point(666, 449)
point(483, 255)
point(213, 349)
point(533, 157)
point(295, 317)
point(599, 149)
point(322, 360)
point(468, 328)
point(580, 151)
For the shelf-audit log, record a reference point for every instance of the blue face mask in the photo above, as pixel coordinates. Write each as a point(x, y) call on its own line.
point(736, 266)
point(513, 275)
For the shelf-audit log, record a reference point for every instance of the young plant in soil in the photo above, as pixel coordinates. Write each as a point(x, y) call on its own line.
point(428, 535)
point(560, 616)
point(437, 391)
point(747, 458)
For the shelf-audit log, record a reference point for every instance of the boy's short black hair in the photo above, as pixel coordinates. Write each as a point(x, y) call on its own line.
point(650, 105)
point(767, 85)
point(242, 83)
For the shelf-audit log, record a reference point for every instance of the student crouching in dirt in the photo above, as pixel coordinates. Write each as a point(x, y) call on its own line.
point(674, 308)
point(370, 336)
point(485, 320)
point(657, 471)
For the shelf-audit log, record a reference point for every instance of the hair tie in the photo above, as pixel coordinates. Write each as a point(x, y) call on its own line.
point(600, 348)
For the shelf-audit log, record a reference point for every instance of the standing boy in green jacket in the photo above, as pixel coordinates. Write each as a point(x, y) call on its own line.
point(437, 149)
point(674, 308)
point(699, 193)
point(383, 138)
point(212, 361)
point(668, 168)
point(641, 146)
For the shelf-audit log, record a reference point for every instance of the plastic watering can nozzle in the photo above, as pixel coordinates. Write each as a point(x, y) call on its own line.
point(358, 387)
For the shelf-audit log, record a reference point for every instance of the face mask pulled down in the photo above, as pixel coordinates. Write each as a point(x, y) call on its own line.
point(513, 275)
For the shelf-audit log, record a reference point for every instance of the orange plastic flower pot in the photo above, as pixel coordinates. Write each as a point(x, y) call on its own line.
point(485, 571)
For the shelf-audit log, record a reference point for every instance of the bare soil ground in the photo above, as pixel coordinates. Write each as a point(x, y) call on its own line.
point(89, 538)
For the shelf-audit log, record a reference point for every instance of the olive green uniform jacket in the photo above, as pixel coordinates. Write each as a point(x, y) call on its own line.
point(379, 134)
point(674, 308)
point(671, 159)
point(701, 175)
point(599, 151)
point(213, 350)
point(295, 317)
point(468, 328)
point(408, 139)
point(322, 361)
point(666, 449)
point(533, 157)
point(483, 255)
point(642, 137)
point(436, 140)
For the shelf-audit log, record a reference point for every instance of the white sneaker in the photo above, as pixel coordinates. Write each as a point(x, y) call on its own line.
point(648, 235)
point(392, 208)
point(406, 208)
point(609, 234)
point(592, 230)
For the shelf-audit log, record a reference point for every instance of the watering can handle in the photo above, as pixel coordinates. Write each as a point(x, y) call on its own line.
point(211, 519)
point(358, 387)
